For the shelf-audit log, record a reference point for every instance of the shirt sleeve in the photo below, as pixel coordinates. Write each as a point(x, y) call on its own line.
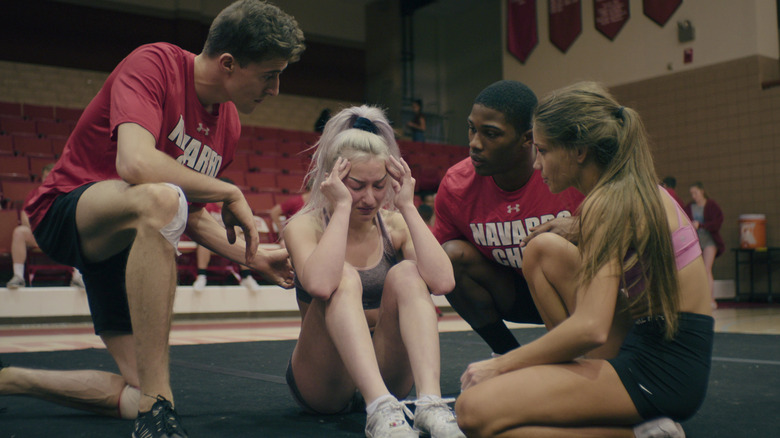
point(443, 228)
point(139, 90)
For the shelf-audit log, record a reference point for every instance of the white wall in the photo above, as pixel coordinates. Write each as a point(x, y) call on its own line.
point(724, 30)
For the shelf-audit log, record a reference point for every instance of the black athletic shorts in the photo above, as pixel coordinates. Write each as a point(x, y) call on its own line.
point(667, 378)
point(58, 236)
point(524, 309)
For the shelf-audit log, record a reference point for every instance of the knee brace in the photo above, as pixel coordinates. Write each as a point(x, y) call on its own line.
point(175, 228)
point(128, 402)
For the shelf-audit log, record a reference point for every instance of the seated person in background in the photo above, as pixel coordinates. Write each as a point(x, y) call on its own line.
point(486, 205)
point(364, 275)
point(203, 254)
point(22, 240)
point(287, 209)
point(203, 257)
point(629, 345)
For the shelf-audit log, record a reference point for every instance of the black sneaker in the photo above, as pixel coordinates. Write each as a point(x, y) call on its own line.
point(161, 422)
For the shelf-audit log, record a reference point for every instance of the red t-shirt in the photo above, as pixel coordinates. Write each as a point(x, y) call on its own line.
point(153, 87)
point(291, 205)
point(472, 207)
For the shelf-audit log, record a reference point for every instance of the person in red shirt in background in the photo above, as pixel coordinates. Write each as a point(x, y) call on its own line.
point(669, 183)
point(22, 240)
point(487, 204)
point(134, 175)
point(280, 213)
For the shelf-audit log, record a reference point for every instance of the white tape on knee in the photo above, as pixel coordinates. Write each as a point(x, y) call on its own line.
point(128, 402)
point(175, 228)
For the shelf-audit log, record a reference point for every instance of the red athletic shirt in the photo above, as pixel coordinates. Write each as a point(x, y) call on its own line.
point(472, 207)
point(291, 205)
point(153, 87)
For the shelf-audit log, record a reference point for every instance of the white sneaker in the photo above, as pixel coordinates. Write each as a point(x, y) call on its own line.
point(15, 282)
point(663, 427)
point(434, 418)
point(389, 420)
point(250, 283)
point(78, 283)
point(200, 283)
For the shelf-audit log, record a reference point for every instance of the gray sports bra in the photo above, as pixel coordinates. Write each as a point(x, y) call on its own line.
point(373, 278)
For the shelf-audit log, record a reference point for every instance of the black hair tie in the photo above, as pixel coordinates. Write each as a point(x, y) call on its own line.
point(364, 124)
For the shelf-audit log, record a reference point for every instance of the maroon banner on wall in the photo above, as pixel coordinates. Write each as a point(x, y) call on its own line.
point(610, 16)
point(565, 22)
point(522, 35)
point(660, 10)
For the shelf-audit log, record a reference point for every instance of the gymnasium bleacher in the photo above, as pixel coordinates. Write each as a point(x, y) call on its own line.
point(269, 166)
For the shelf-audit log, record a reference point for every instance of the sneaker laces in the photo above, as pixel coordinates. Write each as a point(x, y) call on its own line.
point(441, 410)
point(395, 411)
point(164, 412)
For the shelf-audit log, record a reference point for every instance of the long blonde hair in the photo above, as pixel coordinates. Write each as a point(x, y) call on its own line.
point(341, 138)
point(624, 210)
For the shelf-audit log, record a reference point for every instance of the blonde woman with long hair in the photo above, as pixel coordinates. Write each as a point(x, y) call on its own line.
point(365, 267)
point(629, 345)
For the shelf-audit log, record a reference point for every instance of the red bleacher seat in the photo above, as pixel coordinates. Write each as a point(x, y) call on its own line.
point(18, 190)
point(15, 168)
point(247, 131)
point(291, 149)
point(292, 164)
point(262, 181)
point(244, 144)
point(53, 127)
point(37, 164)
point(264, 132)
point(290, 183)
point(10, 109)
point(310, 137)
point(291, 136)
point(67, 114)
point(237, 176)
point(41, 265)
point(17, 125)
point(240, 162)
point(33, 146)
point(6, 145)
point(30, 111)
point(265, 146)
point(262, 163)
point(261, 203)
point(58, 144)
point(427, 178)
point(9, 219)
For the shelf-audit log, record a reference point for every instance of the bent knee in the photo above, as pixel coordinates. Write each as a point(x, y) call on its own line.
point(156, 204)
point(468, 412)
point(461, 251)
point(543, 246)
point(350, 281)
point(404, 277)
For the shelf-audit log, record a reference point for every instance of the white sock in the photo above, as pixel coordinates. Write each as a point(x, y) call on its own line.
point(128, 402)
point(76, 274)
point(371, 407)
point(200, 277)
point(19, 269)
